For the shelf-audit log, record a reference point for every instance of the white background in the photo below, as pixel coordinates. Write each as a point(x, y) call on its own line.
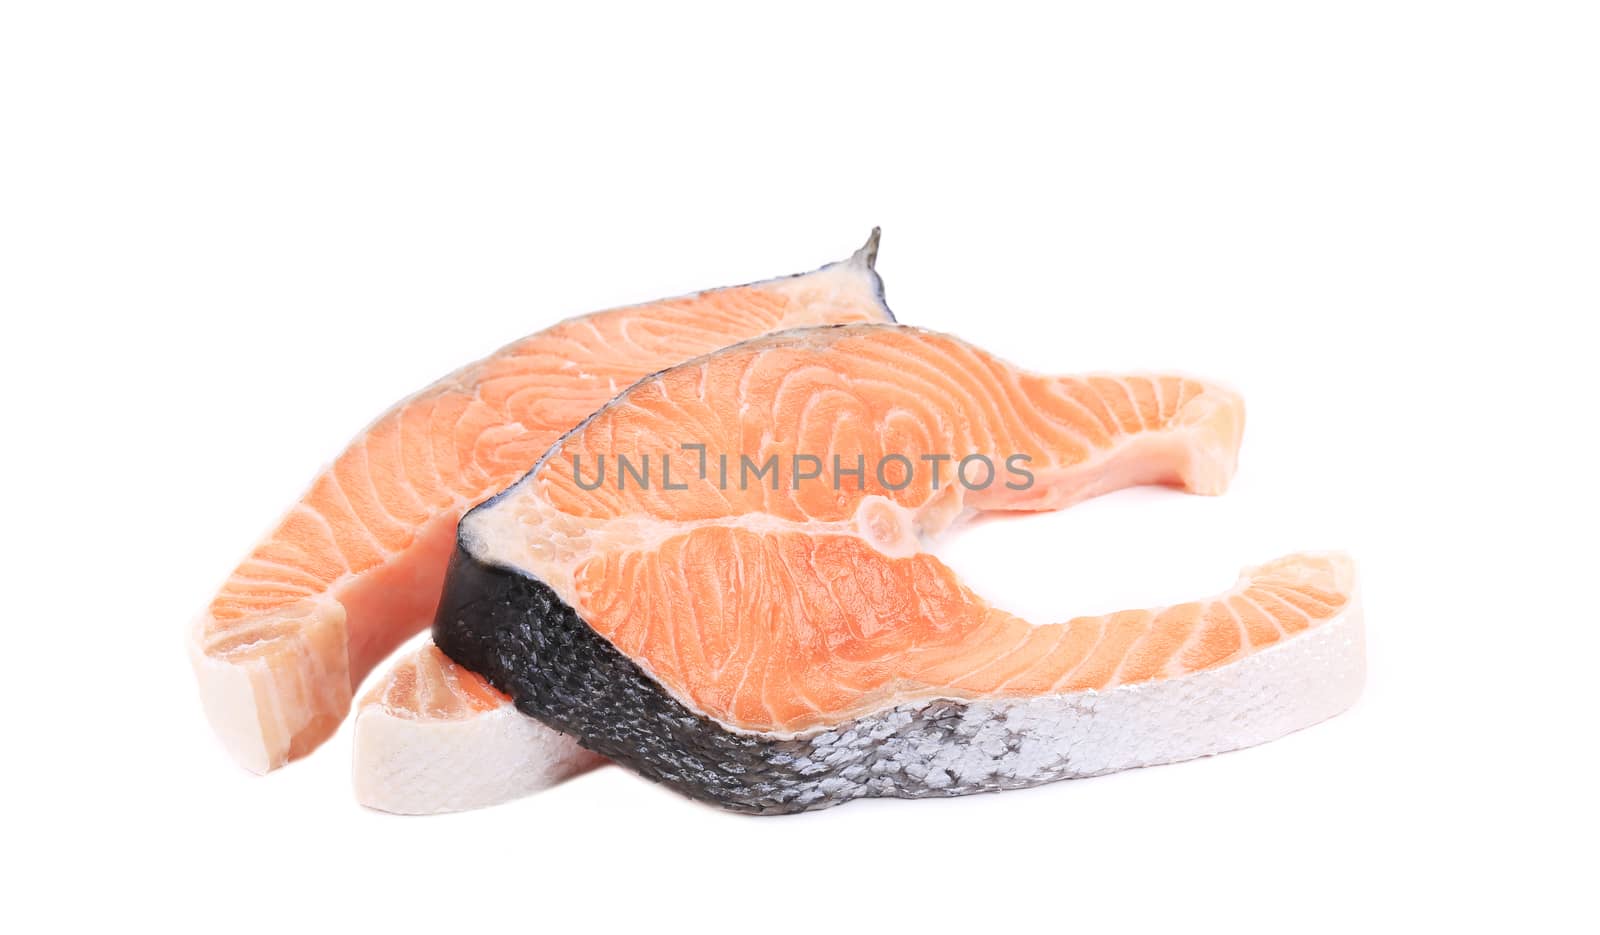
point(230, 234)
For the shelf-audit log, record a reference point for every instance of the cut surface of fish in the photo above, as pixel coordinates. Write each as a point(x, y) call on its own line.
point(354, 568)
point(791, 644)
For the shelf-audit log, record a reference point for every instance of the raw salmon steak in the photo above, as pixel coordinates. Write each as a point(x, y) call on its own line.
point(355, 567)
point(721, 580)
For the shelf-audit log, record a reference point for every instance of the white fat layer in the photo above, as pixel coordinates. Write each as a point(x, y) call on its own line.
point(228, 693)
point(260, 705)
point(424, 767)
point(1290, 685)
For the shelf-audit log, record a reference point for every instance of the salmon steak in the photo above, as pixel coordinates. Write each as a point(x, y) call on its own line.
point(355, 567)
point(722, 580)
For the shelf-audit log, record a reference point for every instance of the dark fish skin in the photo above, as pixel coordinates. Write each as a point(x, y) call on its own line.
point(512, 629)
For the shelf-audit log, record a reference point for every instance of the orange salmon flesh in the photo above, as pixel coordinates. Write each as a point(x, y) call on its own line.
point(354, 568)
